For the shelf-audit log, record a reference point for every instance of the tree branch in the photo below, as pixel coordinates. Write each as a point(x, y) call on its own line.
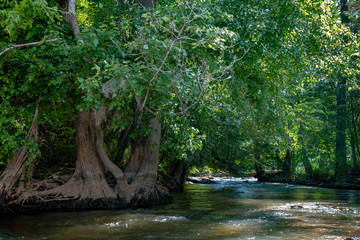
point(28, 45)
point(204, 75)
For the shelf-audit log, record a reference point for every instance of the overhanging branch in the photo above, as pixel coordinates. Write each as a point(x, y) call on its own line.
point(27, 45)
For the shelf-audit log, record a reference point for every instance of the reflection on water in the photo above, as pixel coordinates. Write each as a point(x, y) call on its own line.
point(228, 210)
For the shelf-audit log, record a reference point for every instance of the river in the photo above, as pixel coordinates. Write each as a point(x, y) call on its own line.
point(235, 209)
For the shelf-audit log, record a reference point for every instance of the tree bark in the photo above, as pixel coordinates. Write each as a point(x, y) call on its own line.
point(176, 175)
point(141, 173)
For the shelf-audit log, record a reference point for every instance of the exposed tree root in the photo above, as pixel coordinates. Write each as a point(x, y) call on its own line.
point(145, 197)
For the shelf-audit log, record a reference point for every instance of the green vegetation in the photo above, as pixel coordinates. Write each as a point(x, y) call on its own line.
point(121, 98)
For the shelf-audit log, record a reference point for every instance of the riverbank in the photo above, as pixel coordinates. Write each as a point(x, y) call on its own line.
point(272, 177)
point(317, 183)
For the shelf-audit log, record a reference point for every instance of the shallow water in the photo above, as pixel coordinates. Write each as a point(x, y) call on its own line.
point(228, 210)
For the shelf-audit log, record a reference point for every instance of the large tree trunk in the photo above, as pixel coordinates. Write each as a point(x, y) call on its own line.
point(87, 188)
point(176, 175)
point(141, 173)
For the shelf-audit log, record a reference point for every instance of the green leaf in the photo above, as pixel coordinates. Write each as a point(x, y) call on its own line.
point(96, 41)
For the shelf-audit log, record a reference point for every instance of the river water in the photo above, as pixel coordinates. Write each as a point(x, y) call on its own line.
point(235, 209)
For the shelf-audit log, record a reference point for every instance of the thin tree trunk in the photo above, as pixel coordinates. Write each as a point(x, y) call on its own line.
point(123, 143)
point(260, 172)
point(306, 162)
point(340, 149)
point(287, 163)
point(354, 138)
point(304, 157)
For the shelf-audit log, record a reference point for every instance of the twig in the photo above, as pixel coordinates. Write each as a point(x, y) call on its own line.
point(54, 9)
point(28, 45)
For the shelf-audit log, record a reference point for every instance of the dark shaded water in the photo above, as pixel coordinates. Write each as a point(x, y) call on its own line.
point(229, 210)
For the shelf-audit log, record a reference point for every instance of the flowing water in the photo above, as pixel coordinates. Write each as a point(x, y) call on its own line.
point(227, 210)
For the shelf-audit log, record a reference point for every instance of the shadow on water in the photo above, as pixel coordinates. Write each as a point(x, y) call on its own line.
point(228, 210)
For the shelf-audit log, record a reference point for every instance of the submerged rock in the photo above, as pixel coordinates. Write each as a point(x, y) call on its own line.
point(296, 207)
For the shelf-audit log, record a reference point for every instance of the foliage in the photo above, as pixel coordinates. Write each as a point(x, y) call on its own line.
point(253, 78)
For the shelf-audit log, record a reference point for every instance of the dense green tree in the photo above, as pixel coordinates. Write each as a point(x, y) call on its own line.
point(126, 58)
